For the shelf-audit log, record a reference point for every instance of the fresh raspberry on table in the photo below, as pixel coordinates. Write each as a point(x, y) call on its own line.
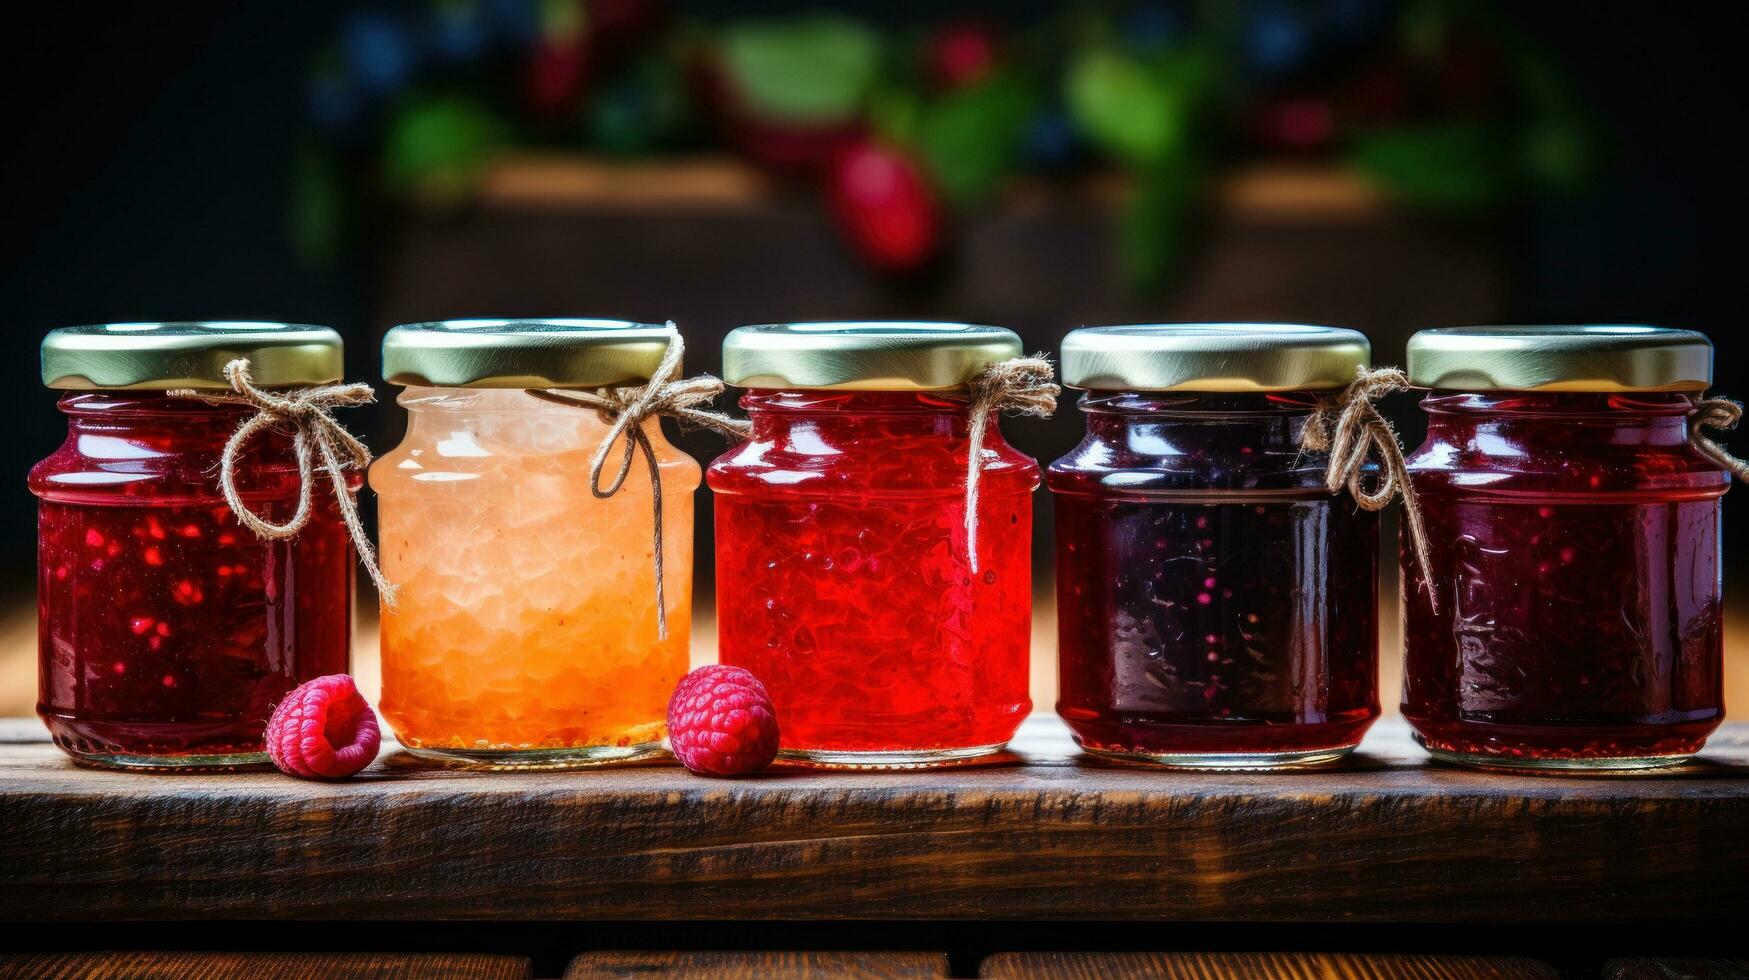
point(720, 722)
point(323, 730)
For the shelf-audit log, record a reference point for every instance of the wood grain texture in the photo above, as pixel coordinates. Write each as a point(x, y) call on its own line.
point(1676, 969)
point(760, 966)
point(1387, 837)
point(1260, 966)
point(261, 966)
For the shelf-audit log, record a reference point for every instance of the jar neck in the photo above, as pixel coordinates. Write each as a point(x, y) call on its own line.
point(1116, 413)
point(191, 422)
point(941, 413)
point(1655, 418)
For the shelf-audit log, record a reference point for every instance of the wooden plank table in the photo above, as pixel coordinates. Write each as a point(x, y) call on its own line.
point(1046, 834)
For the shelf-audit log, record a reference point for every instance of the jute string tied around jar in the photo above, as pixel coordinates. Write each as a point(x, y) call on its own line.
point(624, 411)
point(1017, 386)
point(306, 413)
point(1351, 429)
point(1722, 414)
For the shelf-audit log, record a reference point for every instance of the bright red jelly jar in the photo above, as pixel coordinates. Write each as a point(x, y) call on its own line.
point(167, 631)
point(1217, 605)
point(1574, 540)
point(843, 580)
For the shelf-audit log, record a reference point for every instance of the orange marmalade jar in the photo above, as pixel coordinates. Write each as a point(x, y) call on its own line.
point(525, 632)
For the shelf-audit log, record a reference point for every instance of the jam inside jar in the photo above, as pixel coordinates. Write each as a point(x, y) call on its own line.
point(843, 582)
point(167, 631)
point(1574, 538)
point(1217, 606)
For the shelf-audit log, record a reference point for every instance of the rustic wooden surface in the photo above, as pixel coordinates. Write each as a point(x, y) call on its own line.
point(1387, 837)
point(760, 966)
point(1676, 969)
point(261, 966)
point(1252, 966)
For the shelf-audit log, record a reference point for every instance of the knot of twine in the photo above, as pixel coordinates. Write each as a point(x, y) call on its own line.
point(1722, 414)
point(306, 413)
point(1351, 430)
point(1018, 386)
point(624, 411)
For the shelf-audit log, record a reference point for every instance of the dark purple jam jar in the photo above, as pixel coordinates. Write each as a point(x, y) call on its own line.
point(1217, 606)
point(1574, 539)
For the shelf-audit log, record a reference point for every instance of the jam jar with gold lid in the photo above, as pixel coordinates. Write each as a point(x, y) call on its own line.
point(526, 632)
point(844, 576)
point(1216, 604)
point(167, 631)
point(1573, 531)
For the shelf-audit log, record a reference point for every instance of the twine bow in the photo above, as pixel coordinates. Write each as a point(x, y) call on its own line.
point(1722, 414)
point(1019, 386)
point(624, 411)
point(306, 412)
point(1351, 429)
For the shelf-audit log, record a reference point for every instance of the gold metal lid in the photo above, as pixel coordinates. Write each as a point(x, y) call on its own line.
point(1596, 357)
point(190, 354)
point(536, 353)
point(1213, 357)
point(868, 355)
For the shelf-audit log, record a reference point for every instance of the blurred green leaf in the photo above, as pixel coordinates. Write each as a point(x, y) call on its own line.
point(1558, 148)
point(894, 113)
point(970, 137)
point(318, 219)
point(816, 70)
point(1158, 226)
point(1441, 166)
point(436, 148)
point(1141, 112)
point(644, 109)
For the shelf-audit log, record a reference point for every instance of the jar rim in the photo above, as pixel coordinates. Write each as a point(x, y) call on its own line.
point(160, 355)
point(1599, 358)
point(872, 355)
point(532, 352)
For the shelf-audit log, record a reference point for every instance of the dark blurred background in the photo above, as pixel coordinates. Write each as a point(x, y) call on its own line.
point(1381, 165)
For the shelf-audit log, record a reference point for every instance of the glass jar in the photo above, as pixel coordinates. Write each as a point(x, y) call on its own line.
point(167, 631)
point(525, 633)
point(843, 580)
point(1574, 541)
point(1216, 604)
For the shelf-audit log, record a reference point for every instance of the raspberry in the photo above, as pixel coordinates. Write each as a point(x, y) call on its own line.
point(720, 722)
point(323, 730)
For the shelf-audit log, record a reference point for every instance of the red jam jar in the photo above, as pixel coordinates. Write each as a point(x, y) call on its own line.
point(1574, 545)
point(167, 631)
point(1216, 604)
point(843, 580)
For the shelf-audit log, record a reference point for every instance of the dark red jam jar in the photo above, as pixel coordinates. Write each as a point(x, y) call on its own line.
point(1216, 605)
point(843, 576)
point(167, 631)
point(1574, 540)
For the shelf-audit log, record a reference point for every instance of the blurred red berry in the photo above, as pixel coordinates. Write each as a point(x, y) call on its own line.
point(960, 54)
point(1300, 124)
point(885, 207)
point(721, 723)
point(556, 73)
point(323, 730)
